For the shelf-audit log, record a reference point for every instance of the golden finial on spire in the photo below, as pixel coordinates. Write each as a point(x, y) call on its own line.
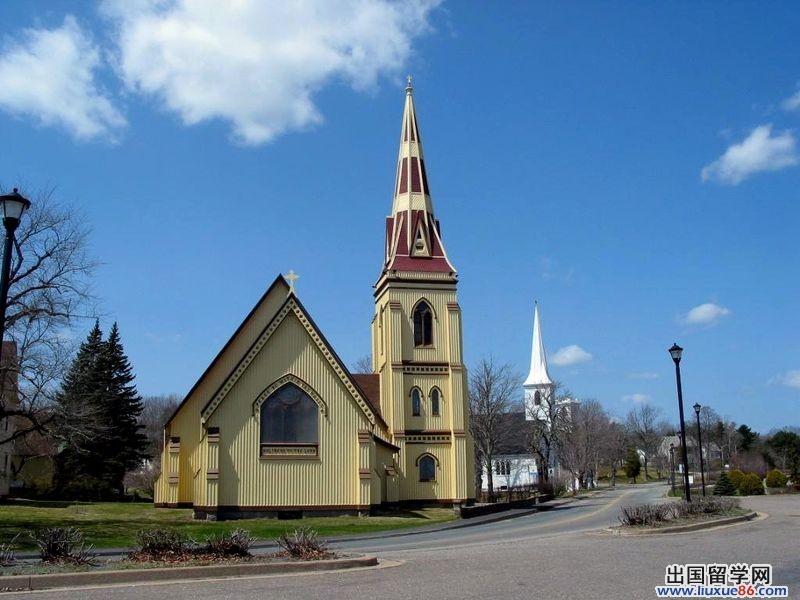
point(409, 86)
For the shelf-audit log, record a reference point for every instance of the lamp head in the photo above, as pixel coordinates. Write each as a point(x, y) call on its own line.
point(12, 206)
point(697, 408)
point(675, 352)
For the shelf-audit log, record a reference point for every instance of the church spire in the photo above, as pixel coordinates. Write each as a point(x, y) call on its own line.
point(413, 240)
point(538, 375)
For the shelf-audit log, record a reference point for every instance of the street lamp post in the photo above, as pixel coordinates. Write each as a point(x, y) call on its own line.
point(697, 408)
point(675, 352)
point(12, 206)
point(672, 466)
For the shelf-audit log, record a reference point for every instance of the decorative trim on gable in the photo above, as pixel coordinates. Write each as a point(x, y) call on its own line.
point(291, 305)
point(289, 378)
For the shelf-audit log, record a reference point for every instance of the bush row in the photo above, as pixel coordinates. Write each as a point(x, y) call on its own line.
point(67, 545)
point(747, 484)
point(655, 514)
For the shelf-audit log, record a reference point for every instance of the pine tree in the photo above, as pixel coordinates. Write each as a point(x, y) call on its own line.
point(633, 465)
point(80, 422)
point(724, 486)
point(125, 446)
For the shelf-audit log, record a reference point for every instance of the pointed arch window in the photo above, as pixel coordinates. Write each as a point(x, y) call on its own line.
point(423, 325)
point(436, 400)
point(416, 402)
point(289, 417)
point(427, 468)
point(537, 398)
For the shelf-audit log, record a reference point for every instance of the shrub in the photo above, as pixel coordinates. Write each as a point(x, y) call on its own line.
point(229, 543)
point(303, 544)
point(160, 543)
point(62, 545)
point(708, 505)
point(736, 477)
point(724, 485)
point(633, 466)
point(751, 485)
point(776, 479)
point(7, 552)
point(645, 514)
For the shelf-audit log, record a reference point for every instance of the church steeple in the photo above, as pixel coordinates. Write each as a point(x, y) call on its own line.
point(538, 375)
point(413, 239)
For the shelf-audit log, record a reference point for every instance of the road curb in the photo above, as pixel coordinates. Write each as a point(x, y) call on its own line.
point(685, 528)
point(59, 580)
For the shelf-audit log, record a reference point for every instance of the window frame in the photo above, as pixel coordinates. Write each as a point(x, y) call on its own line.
point(427, 317)
point(436, 407)
point(427, 459)
point(288, 450)
point(416, 402)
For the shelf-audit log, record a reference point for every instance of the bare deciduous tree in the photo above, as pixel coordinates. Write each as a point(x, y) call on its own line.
point(646, 431)
point(615, 447)
point(157, 409)
point(548, 425)
point(582, 441)
point(363, 365)
point(49, 288)
point(492, 389)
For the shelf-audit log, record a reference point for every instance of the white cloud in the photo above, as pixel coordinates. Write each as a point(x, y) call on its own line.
point(705, 314)
point(258, 64)
point(643, 375)
point(792, 102)
point(789, 379)
point(760, 151)
point(570, 355)
point(49, 74)
point(637, 398)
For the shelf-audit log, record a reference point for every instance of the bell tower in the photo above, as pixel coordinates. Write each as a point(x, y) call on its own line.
point(539, 387)
point(416, 339)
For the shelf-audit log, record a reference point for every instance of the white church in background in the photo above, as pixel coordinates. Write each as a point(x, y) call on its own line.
point(514, 465)
point(538, 386)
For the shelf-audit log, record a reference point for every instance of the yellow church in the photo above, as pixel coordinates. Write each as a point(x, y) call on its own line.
point(278, 426)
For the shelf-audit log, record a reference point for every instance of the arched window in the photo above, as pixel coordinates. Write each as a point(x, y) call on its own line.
point(289, 417)
point(423, 325)
point(435, 401)
point(537, 398)
point(416, 402)
point(427, 468)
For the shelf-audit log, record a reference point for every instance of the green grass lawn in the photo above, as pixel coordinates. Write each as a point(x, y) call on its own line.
point(114, 525)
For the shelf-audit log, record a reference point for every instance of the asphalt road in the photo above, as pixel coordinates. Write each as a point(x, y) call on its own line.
point(555, 554)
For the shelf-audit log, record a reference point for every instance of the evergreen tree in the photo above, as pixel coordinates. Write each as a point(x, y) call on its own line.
point(125, 446)
point(724, 486)
point(80, 422)
point(633, 465)
point(98, 413)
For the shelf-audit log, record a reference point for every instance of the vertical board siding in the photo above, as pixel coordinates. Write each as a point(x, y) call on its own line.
point(248, 480)
point(186, 422)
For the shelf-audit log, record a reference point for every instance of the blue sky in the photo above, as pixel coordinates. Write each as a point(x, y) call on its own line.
point(633, 167)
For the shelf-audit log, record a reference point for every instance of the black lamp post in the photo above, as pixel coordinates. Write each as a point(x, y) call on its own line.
point(672, 466)
point(675, 352)
point(697, 408)
point(12, 206)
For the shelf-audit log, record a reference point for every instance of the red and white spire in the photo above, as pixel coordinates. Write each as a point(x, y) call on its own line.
point(413, 241)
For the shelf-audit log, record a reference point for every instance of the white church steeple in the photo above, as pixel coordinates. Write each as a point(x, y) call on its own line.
point(538, 374)
point(538, 384)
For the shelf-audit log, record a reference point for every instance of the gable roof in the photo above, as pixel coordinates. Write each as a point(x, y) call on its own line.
point(292, 304)
point(516, 434)
point(279, 280)
point(370, 384)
